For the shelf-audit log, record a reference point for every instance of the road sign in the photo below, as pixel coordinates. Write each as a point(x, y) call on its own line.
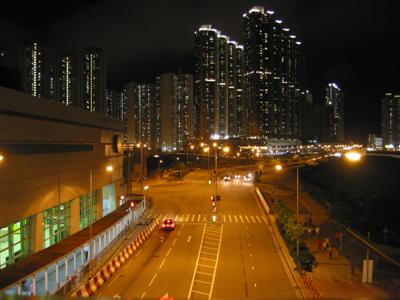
point(385, 232)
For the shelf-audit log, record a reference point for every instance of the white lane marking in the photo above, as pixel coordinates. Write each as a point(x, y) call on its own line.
point(205, 258)
point(255, 284)
point(179, 232)
point(207, 266)
point(199, 292)
point(235, 218)
point(193, 218)
point(128, 265)
point(204, 218)
point(112, 281)
point(162, 264)
point(169, 251)
point(198, 218)
point(247, 219)
point(223, 216)
point(216, 263)
point(173, 243)
point(230, 218)
point(139, 252)
point(205, 282)
point(252, 267)
point(212, 248)
point(189, 238)
point(187, 218)
point(252, 218)
point(241, 219)
point(152, 280)
point(204, 273)
point(258, 218)
point(197, 261)
point(144, 294)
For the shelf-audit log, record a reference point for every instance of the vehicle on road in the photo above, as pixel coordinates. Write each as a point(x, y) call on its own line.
point(248, 177)
point(227, 177)
point(237, 176)
point(168, 225)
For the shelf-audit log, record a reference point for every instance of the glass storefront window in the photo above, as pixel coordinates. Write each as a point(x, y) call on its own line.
point(56, 223)
point(14, 242)
point(84, 202)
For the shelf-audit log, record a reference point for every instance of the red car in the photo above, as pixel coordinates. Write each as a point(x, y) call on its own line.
point(168, 224)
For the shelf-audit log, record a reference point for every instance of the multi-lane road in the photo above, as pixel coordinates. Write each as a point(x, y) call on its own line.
point(235, 257)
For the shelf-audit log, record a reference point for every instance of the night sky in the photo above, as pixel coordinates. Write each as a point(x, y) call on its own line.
point(352, 43)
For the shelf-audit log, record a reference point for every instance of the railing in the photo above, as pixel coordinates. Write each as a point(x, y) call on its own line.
point(62, 273)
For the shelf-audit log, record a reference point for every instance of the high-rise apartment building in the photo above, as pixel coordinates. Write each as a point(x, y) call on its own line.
point(215, 86)
point(93, 83)
point(391, 120)
point(67, 80)
point(176, 105)
point(334, 114)
point(272, 76)
point(146, 109)
point(32, 66)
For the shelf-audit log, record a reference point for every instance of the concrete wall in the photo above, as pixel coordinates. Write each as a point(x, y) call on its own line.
point(33, 182)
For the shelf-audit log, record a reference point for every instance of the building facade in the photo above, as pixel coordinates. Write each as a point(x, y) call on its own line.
point(46, 172)
point(215, 84)
point(176, 105)
point(93, 83)
point(68, 79)
point(391, 120)
point(32, 64)
point(272, 76)
point(334, 114)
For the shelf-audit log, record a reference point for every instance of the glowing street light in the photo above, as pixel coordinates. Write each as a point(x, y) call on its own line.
point(278, 167)
point(109, 168)
point(1, 157)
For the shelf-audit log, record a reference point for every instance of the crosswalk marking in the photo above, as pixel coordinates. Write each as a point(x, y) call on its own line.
point(204, 218)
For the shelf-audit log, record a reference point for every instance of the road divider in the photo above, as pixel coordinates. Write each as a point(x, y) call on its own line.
point(94, 283)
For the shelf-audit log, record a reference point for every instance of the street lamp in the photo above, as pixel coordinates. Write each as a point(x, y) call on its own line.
point(279, 168)
point(109, 169)
point(353, 156)
point(146, 187)
point(207, 150)
point(1, 157)
point(141, 161)
point(187, 152)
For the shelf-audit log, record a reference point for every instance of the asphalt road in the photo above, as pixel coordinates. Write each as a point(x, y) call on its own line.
point(235, 257)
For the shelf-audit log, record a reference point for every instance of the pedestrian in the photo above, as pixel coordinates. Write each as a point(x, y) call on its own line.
point(337, 237)
point(86, 252)
point(317, 230)
point(330, 252)
point(309, 231)
point(319, 244)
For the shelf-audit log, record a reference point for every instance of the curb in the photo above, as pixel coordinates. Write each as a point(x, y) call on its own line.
point(93, 284)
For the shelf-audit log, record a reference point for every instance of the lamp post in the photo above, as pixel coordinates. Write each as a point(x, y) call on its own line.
point(279, 168)
point(187, 152)
point(207, 150)
point(1, 157)
point(109, 168)
point(297, 212)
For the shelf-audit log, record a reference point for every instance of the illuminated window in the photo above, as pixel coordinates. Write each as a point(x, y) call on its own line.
point(14, 242)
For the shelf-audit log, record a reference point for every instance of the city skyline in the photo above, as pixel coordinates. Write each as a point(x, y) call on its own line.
point(335, 51)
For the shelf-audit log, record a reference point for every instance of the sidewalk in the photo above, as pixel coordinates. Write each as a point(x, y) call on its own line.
point(332, 277)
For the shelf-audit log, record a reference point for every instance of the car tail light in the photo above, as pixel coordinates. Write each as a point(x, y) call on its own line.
point(163, 225)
